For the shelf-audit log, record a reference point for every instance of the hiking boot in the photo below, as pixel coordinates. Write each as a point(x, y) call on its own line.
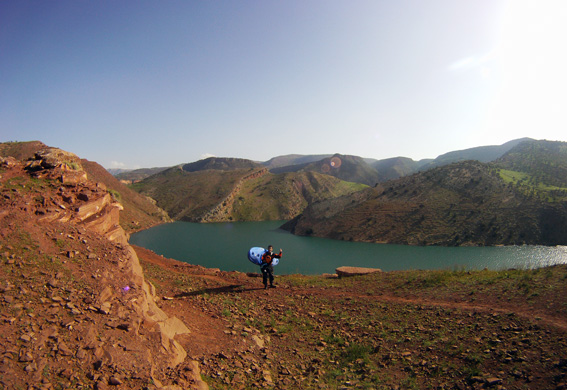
point(272, 286)
point(265, 286)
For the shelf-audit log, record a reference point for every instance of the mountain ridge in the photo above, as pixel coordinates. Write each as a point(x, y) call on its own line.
point(237, 193)
point(464, 203)
point(380, 170)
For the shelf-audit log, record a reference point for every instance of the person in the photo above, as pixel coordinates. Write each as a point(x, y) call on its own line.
point(267, 267)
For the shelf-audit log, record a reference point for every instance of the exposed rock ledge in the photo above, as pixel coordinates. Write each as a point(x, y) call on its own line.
point(352, 271)
point(82, 202)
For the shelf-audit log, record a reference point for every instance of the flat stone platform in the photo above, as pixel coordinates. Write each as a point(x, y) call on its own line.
point(352, 271)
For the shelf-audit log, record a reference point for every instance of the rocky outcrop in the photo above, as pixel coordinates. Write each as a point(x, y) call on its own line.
point(64, 195)
point(353, 271)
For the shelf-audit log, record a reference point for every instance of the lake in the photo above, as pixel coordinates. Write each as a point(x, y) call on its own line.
point(225, 246)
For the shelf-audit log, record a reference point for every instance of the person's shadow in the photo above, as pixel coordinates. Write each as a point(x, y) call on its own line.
point(233, 288)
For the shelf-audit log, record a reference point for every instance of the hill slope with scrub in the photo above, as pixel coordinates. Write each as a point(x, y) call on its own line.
point(467, 203)
point(216, 190)
point(405, 330)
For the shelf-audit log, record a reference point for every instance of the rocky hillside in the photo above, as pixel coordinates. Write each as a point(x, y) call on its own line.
point(138, 212)
point(217, 190)
point(77, 311)
point(284, 196)
point(190, 196)
point(21, 150)
point(465, 203)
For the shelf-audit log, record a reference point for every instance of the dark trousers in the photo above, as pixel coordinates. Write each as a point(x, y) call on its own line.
point(268, 272)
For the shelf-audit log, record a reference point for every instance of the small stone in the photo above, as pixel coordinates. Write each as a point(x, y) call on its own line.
point(53, 283)
point(493, 381)
point(25, 337)
point(25, 357)
point(66, 373)
point(258, 341)
point(64, 349)
point(30, 368)
point(105, 308)
point(114, 381)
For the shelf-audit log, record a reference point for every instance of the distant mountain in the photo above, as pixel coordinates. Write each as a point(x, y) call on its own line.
point(344, 167)
point(189, 195)
point(480, 153)
point(293, 159)
point(237, 190)
point(394, 168)
point(134, 175)
point(386, 169)
point(466, 203)
point(117, 171)
point(220, 164)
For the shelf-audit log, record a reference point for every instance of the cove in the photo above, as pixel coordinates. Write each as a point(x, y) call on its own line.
point(225, 246)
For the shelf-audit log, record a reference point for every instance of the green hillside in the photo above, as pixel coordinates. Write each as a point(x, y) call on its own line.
point(466, 203)
point(223, 191)
point(537, 168)
point(283, 196)
point(189, 195)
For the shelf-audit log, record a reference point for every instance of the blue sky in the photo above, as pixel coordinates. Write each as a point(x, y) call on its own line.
point(157, 83)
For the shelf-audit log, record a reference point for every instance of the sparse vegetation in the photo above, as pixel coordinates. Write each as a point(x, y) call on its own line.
point(415, 329)
point(411, 329)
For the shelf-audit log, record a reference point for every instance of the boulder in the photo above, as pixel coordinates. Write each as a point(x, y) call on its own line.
point(352, 271)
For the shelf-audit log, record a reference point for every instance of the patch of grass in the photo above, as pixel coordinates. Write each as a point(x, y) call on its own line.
point(357, 353)
point(513, 176)
point(73, 165)
point(115, 195)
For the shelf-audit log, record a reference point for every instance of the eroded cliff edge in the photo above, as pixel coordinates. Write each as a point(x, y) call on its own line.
point(76, 307)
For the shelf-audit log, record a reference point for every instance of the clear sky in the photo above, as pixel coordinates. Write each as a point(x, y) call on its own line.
point(158, 83)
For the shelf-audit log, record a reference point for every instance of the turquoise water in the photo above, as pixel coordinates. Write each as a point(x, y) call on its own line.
point(225, 246)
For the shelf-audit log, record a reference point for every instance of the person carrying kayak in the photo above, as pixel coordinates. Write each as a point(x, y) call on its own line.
point(267, 267)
